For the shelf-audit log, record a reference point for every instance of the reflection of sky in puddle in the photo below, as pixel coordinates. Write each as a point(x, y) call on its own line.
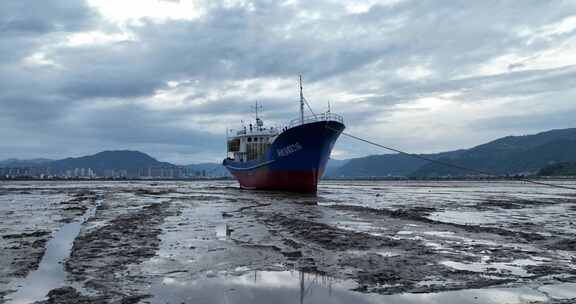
point(463, 217)
point(448, 234)
point(555, 218)
point(514, 267)
point(50, 274)
point(223, 232)
point(560, 291)
point(383, 253)
point(281, 287)
point(258, 287)
point(360, 226)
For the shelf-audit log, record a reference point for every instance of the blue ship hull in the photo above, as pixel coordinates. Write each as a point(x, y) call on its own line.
point(295, 161)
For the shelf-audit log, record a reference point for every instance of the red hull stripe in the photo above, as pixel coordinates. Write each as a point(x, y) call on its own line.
point(296, 181)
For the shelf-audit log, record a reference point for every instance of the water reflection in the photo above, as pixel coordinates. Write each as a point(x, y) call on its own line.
point(291, 287)
point(50, 273)
point(279, 287)
point(223, 232)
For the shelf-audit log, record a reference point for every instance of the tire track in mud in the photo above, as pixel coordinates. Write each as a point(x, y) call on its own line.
point(28, 250)
point(100, 256)
point(25, 250)
point(34, 242)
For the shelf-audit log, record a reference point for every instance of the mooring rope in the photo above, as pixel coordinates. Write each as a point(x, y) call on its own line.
point(449, 164)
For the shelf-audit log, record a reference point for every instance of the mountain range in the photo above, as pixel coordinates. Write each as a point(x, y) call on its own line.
point(121, 163)
point(509, 155)
point(130, 161)
point(559, 169)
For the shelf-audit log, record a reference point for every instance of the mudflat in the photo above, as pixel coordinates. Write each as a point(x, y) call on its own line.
point(354, 242)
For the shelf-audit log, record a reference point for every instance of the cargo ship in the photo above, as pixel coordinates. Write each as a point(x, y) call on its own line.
point(289, 158)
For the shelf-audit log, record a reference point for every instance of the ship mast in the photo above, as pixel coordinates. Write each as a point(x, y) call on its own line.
point(259, 122)
point(301, 103)
point(256, 109)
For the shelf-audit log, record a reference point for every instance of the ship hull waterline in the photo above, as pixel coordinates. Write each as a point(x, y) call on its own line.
point(295, 161)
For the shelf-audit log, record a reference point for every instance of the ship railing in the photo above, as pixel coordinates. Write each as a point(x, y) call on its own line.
point(326, 116)
point(260, 131)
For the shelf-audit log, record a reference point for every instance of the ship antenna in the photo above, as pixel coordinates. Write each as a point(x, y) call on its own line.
point(257, 108)
point(258, 121)
point(301, 103)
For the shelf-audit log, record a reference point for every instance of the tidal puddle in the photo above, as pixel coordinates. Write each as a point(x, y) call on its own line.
point(359, 226)
point(465, 217)
point(383, 253)
point(257, 287)
point(514, 267)
point(223, 232)
point(560, 291)
point(283, 287)
point(50, 273)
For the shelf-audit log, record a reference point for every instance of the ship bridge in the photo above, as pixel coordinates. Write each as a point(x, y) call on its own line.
point(253, 141)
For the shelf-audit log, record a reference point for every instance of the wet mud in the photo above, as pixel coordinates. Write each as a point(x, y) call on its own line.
point(100, 254)
point(28, 218)
point(355, 242)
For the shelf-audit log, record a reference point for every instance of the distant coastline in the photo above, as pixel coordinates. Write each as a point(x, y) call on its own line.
point(374, 178)
point(551, 153)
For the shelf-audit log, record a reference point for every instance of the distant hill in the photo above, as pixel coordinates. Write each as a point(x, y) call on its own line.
point(511, 155)
point(507, 155)
point(14, 162)
point(333, 166)
point(131, 161)
point(386, 165)
point(122, 163)
point(560, 169)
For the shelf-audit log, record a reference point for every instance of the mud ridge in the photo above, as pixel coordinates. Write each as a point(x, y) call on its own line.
point(34, 243)
point(321, 248)
point(417, 216)
point(98, 255)
point(566, 244)
point(512, 203)
point(327, 236)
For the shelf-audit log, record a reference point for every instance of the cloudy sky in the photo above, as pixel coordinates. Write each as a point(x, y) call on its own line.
point(167, 77)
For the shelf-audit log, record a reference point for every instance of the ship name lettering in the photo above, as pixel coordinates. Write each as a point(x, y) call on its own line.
point(289, 149)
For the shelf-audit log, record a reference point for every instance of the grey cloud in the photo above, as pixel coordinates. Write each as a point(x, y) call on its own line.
point(531, 122)
point(234, 43)
point(133, 124)
point(27, 24)
point(517, 84)
point(352, 53)
point(41, 17)
point(126, 126)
